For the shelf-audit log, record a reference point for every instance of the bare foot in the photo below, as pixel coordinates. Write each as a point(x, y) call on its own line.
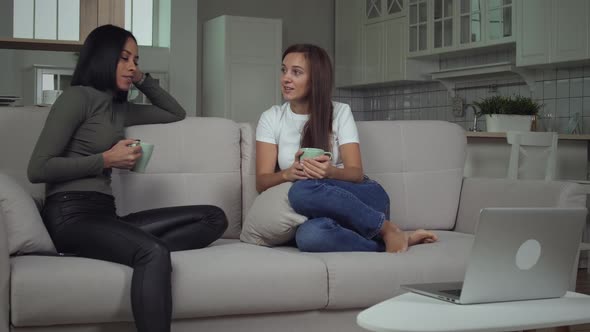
point(395, 239)
point(420, 236)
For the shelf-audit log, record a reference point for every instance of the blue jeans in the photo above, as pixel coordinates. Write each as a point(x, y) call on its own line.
point(343, 216)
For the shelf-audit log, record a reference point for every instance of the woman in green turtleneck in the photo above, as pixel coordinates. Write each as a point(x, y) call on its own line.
point(83, 139)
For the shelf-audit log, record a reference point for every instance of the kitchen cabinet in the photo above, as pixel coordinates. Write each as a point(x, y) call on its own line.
point(382, 47)
point(418, 26)
point(570, 30)
point(439, 26)
point(379, 10)
point(552, 31)
point(442, 25)
point(485, 22)
point(241, 66)
point(385, 54)
point(348, 42)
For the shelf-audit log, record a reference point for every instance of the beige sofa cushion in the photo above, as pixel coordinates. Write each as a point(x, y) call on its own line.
point(195, 161)
point(420, 165)
point(19, 129)
point(25, 230)
point(271, 221)
point(478, 193)
point(362, 279)
point(227, 278)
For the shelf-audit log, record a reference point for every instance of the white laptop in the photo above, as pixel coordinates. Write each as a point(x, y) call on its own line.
point(517, 254)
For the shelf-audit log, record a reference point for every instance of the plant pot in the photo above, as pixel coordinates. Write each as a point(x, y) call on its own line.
point(506, 122)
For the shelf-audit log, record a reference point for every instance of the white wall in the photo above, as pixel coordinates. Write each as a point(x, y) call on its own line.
point(6, 19)
point(183, 54)
point(304, 21)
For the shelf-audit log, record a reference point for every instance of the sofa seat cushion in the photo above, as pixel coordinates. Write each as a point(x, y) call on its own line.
point(362, 279)
point(229, 278)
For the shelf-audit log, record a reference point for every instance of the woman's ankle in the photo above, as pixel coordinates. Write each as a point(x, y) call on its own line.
point(389, 226)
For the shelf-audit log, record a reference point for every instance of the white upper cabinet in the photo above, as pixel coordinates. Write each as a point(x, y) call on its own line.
point(438, 26)
point(443, 23)
point(485, 22)
point(570, 29)
point(380, 10)
point(418, 26)
point(348, 42)
point(499, 20)
point(374, 53)
point(372, 45)
point(552, 31)
point(533, 32)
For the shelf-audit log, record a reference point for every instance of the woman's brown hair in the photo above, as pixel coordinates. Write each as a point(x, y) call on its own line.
point(318, 129)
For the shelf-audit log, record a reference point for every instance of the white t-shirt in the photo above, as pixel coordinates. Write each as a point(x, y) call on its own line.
point(280, 126)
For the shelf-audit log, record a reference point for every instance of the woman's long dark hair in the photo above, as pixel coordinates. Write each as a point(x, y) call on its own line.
point(99, 56)
point(318, 129)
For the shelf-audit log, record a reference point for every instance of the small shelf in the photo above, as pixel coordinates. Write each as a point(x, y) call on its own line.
point(40, 45)
point(449, 77)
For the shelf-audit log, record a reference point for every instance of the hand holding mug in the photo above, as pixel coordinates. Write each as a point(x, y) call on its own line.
point(295, 172)
point(318, 167)
point(122, 155)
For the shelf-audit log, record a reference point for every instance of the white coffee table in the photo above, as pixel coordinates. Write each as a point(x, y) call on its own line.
point(412, 312)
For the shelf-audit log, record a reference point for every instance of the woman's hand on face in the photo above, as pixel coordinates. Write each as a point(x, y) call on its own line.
point(121, 155)
point(318, 167)
point(295, 172)
point(137, 75)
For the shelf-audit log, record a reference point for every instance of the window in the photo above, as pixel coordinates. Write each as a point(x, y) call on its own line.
point(149, 20)
point(46, 19)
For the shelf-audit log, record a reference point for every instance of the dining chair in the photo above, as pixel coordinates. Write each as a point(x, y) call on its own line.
point(529, 150)
point(545, 146)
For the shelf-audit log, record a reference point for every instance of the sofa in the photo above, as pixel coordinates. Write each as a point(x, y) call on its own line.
point(236, 286)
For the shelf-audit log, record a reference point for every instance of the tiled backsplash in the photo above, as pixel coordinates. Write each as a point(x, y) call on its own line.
point(563, 92)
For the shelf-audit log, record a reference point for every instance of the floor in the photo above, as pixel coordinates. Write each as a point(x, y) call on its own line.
point(582, 286)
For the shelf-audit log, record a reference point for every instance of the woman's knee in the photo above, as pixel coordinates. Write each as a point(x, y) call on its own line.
point(300, 194)
point(155, 253)
point(216, 217)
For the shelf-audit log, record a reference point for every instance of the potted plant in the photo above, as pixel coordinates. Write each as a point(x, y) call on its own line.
point(508, 113)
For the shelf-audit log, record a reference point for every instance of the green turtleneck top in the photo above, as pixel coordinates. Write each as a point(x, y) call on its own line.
point(81, 125)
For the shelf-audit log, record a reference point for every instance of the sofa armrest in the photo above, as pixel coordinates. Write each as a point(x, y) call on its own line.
point(478, 193)
point(4, 278)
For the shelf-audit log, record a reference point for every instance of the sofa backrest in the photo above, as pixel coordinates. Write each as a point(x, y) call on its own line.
point(212, 161)
point(19, 129)
point(195, 161)
point(419, 164)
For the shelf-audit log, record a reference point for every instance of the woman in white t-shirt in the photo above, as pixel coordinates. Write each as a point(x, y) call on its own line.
point(346, 210)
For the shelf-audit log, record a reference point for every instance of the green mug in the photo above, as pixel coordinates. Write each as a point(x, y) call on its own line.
point(146, 154)
point(310, 153)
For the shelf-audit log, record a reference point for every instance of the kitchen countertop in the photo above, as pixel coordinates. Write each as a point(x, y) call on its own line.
point(484, 134)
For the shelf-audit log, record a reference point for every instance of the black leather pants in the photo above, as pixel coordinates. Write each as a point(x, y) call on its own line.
point(85, 223)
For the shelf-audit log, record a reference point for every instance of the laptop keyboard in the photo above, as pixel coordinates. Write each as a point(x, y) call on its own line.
point(455, 292)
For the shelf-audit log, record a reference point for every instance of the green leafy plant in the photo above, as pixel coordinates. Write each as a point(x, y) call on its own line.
point(491, 105)
point(516, 105)
point(522, 106)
